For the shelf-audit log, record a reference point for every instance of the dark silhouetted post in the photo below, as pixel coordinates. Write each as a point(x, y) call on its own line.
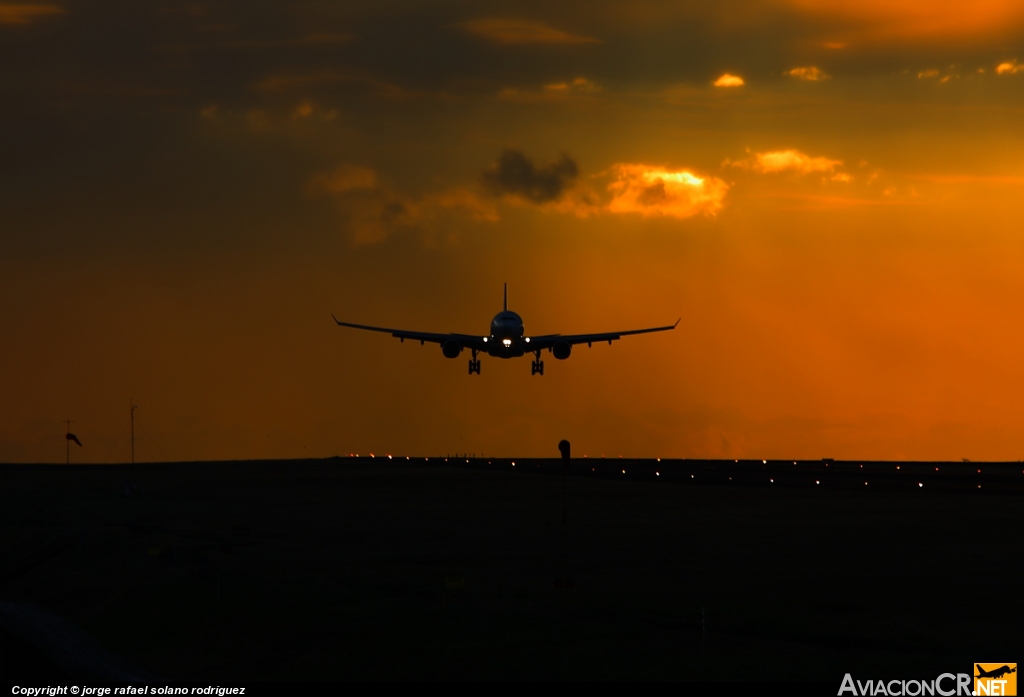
point(563, 447)
point(134, 407)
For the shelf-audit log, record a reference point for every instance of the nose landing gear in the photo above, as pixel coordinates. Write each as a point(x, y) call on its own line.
point(474, 364)
point(537, 367)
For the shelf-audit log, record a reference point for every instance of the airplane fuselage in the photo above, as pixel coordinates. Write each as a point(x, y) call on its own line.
point(507, 338)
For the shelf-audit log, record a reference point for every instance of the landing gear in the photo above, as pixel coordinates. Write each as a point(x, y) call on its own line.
point(474, 364)
point(537, 367)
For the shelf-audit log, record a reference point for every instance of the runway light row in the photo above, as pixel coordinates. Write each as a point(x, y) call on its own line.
point(657, 473)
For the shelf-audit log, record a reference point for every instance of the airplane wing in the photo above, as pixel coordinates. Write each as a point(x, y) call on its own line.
point(539, 343)
point(469, 341)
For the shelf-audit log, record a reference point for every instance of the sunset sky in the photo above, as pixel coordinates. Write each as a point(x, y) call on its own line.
point(829, 194)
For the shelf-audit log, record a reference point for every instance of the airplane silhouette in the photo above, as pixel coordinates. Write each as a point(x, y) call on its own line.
point(506, 340)
point(995, 672)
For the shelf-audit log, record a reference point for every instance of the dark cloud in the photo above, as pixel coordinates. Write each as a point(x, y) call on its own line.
point(514, 174)
point(373, 210)
point(519, 31)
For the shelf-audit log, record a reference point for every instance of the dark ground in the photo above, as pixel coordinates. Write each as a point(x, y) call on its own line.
point(376, 569)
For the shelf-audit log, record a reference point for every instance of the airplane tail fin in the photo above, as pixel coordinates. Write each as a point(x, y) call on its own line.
point(506, 297)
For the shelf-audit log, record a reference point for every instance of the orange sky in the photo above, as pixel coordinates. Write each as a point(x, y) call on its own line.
point(828, 194)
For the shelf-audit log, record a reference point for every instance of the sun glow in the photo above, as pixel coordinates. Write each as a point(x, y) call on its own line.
point(728, 80)
point(656, 191)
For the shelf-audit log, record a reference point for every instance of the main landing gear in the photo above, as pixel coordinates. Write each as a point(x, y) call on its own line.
point(537, 367)
point(474, 364)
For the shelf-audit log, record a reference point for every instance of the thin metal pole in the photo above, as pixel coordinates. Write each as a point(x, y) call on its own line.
point(134, 407)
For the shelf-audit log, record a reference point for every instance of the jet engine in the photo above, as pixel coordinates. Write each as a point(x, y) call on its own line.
point(451, 348)
point(561, 349)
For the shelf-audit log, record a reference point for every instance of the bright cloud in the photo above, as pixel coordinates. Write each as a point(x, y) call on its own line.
point(728, 80)
point(25, 14)
point(521, 31)
point(786, 161)
point(656, 191)
point(809, 73)
point(1009, 68)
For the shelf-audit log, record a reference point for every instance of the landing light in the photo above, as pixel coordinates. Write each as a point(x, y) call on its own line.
point(527, 339)
point(485, 339)
point(507, 342)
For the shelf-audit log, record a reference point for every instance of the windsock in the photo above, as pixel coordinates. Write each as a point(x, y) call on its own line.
point(72, 436)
